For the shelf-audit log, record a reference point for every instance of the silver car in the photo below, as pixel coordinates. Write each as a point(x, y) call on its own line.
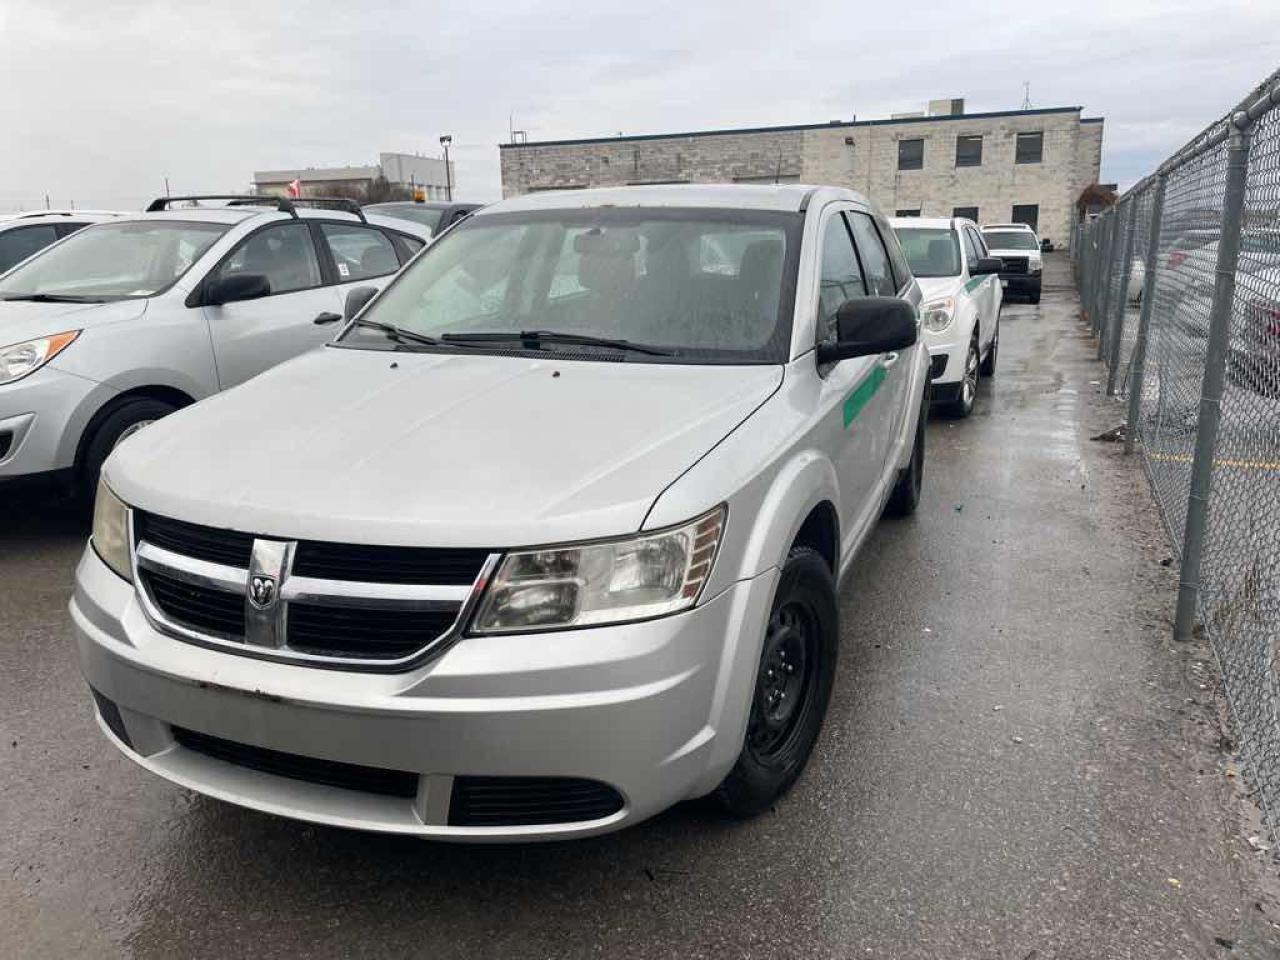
point(546, 541)
point(123, 322)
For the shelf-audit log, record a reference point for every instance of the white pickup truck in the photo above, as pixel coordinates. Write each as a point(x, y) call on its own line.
point(547, 540)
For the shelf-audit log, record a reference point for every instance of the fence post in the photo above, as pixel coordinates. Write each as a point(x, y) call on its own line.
point(1152, 259)
point(1104, 294)
point(1224, 287)
point(1126, 271)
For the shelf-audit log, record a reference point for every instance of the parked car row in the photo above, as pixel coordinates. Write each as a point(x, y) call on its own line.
point(543, 541)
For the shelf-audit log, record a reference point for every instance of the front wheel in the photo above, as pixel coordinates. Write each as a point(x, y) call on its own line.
point(906, 492)
point(988, 367)
point(793, 686)
point(967, 392)
point(112, 429)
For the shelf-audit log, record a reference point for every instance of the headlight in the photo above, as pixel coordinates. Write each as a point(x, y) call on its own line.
point(638, 578)
point(19, 359)
point(937, 314)
point(111, 531)
point(1035, 264)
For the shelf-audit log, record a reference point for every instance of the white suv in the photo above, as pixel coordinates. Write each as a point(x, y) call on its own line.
point(961, 311)
point(24, 234)
point(547, 540)
point(124, 322)
point(1022, 263)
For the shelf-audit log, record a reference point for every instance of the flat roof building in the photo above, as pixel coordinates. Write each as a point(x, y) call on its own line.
point(1027, 166)
point(408, 171)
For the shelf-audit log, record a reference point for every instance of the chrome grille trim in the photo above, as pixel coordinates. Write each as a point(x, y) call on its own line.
point(267, 637)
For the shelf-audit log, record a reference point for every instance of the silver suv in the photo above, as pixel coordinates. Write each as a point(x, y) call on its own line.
point(546, 541)
point(123, 322)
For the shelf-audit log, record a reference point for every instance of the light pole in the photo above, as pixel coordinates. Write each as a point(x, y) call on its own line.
point(448, 176)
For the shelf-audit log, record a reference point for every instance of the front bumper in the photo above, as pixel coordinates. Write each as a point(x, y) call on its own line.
point(41, 417)
point(655, 710)
point(1021, 283)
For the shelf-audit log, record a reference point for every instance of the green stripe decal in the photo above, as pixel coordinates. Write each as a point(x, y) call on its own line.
point(863, 392)
point(976, 281)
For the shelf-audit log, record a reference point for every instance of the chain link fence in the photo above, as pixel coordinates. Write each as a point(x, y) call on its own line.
point(1180, 282)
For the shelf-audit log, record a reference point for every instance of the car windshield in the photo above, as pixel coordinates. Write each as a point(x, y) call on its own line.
point(429, 217)
point(113, 261)
point(931, 251)
point(1010, 239)
point(695, 285)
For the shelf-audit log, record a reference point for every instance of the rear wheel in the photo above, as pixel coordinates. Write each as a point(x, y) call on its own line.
point(114, 427)
point(792, 689)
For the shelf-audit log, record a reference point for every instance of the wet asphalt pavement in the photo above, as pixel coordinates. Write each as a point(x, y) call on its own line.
point(1018, 763)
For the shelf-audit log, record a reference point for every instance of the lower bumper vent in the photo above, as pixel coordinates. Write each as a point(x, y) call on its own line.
point(330, 773)
point(528, 801)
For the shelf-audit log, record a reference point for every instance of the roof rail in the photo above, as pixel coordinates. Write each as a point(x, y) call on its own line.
point(233, 199)
point(287, 205)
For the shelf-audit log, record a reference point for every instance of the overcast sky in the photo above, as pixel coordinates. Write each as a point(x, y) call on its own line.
point(100, 101)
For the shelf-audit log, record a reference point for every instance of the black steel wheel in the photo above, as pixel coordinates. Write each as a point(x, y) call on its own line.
point(792, 687)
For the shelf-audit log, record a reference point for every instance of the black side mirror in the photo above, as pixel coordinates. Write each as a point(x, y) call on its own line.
point(870, 325)
point(986, 265)
point(356, 299)
point(237, 286)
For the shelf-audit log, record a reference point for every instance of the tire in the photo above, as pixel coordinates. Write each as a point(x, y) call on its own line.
point(967, 394)
point(1034, 297)
point(798, 661)
point(988, 368)
point(112, 427)
point(906, 492)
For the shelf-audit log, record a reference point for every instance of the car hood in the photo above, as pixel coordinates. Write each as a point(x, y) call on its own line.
point(935, 288)
point(437, 449)
point(23, 320)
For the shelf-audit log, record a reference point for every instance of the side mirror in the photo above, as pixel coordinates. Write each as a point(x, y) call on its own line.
point(870, 325)
point(237, 286)
point(987, 265)
point(356, 299)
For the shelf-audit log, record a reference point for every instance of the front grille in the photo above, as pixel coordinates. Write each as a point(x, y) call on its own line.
point(1013, 265)
point(197, 608)
point(330, 773)
point(528, 801)
point(6, 443)
point(361, 632)
point(370, 564)
point(228, 547)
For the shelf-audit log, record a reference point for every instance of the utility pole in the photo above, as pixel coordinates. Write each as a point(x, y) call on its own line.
point(1026, 94)
point(166, 186)
point(46, 201)
point(448, 174)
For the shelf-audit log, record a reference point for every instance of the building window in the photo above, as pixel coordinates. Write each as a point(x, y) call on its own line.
point(907, 213)
point(910, 154)
point(967, 213)
point(1028, 213)
point(968, 151)
point(1030, 148)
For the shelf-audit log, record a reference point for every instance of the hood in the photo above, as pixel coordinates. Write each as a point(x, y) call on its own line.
point(437, 449)
point(23, 320)
point(935, 288)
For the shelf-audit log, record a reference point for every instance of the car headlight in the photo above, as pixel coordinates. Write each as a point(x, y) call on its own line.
point(636, 578)
point(111, 531)
point(938, 314)
point(1035, 264)
point(19, 359)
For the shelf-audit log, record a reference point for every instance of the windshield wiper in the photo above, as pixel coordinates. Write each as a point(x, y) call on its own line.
point(537, 337)
point(399, 334)
point(53, 298)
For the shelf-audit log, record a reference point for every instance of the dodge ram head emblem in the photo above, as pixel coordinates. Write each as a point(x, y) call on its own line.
point(262, 591)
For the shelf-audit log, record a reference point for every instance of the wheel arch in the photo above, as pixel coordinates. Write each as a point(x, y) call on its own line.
point(166, 394)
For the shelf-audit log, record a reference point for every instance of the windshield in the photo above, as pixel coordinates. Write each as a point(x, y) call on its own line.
point(931, 251)
point(705, 286)
point(113, 261)
point(429, 217)
point(1010, 239)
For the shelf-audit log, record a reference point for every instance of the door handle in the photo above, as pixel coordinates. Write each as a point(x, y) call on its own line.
point(888, 360)
point(327, 317)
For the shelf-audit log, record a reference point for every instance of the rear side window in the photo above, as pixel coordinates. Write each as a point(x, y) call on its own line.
point(875, 260)
point(841, 278)
point(67, 229)
point(284, 254)
point(359, 252)
point(16, 245)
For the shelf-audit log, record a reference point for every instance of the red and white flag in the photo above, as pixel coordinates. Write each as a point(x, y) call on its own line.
point(295, 188)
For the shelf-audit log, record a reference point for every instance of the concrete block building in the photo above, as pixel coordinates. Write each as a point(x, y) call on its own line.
point(410, 171)
point(1027, 166)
